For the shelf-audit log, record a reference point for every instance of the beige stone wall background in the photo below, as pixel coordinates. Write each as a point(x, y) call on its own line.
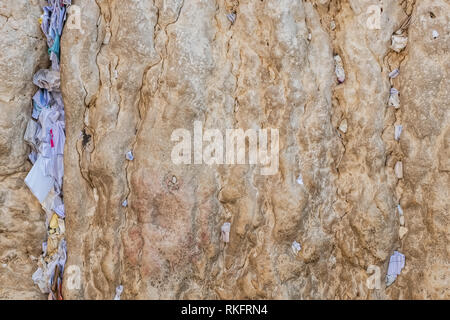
point(22, 52)
point(138, 70)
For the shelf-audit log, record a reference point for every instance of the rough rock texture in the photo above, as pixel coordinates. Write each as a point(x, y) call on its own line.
point(138, 70)
point(141, 69)
point(425, 146)
point(22, 229)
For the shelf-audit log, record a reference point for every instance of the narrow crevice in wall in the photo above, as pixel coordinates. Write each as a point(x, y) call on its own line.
point(46, 135)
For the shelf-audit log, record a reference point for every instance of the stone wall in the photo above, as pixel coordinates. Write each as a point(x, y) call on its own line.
point(138, 70)
point(22, 230)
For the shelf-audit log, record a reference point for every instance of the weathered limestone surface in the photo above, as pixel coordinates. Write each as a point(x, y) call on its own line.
point(142, 69)
point(138, 70)
point(425, 145)
point(22, 229)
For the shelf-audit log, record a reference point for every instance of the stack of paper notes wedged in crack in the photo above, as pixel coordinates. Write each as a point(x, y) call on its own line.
point(45, 134)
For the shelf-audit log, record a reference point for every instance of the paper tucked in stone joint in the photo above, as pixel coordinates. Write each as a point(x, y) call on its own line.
point(225, 230)
point(31, 132)
point(397, 131)
point(43, 276)
point(402, 220)
point(394, 74)
point(39, 183)
point(394, 99)
point(296, 247)
point(343, 126)
point(400, 210)
point(47, 79)
point(300, 179)
point(398, 169)
point(399, 42)
point(396, 264)
point(231, 17)
point(129, 156)
point(119, 291)
point(339, 69)
point(435, 34)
